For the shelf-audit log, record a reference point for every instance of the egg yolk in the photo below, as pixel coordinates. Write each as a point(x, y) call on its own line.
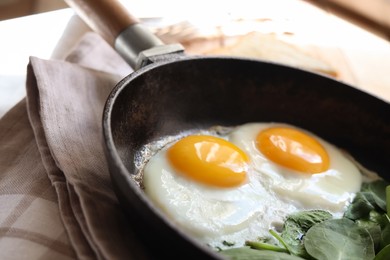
point(209, 160)
point(293, 149)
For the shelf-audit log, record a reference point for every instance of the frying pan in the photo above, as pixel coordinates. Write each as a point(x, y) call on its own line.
point(170, 92)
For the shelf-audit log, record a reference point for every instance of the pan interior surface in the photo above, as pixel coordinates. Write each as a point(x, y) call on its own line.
point(196, 93)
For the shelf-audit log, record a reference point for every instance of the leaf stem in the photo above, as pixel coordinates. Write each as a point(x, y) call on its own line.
point(280, 239)
point(265, 246)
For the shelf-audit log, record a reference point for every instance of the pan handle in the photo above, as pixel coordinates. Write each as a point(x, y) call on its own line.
point(134, 42)
point(106, 17)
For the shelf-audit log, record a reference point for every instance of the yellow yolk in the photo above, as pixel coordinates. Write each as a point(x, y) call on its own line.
point(209, 160)
point(293, 149)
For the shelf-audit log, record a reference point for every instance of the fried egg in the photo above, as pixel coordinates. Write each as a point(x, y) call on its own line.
point(298, 166)
point(235, 187)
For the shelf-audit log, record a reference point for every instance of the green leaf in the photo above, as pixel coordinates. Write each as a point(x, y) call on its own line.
point(361, 206)
point(296, 226)
point(384, 254)
point(245, 253)
point(226, 243)
point(388, 199)
point(374, 229)
point(380, 218)
point(378, 190)
point(339, 239)
point(306, 219)
point(385, 236)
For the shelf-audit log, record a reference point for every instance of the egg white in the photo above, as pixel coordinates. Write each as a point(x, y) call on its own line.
point(331, 190)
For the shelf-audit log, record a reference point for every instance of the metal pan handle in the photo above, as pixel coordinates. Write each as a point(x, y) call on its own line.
point(135, 43)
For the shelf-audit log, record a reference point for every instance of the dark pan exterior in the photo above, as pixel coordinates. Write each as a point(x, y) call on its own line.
point(164, 99)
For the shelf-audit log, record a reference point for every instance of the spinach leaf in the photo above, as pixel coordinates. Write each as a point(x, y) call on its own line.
point(296, 226)
point(245, 253)
point(339, 239)
point(380, 218)
point(364, 230)
point(306, 219)
point(388, 199)
point(371, 197)
point(378, 190)
point(384, 254)
point(374, 229)
point(361, 206)
point(385, 235)
point(227, 243)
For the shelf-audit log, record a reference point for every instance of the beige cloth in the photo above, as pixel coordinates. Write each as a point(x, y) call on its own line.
point(56, 198)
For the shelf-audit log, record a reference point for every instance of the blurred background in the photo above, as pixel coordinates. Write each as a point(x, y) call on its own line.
point(358, 55)
point(16, 8)
point(373, 15)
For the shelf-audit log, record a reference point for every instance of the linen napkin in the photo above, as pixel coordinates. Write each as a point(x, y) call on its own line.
point(56, 198)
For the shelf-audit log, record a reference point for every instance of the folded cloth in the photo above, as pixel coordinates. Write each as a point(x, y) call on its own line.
point(57, 200)
point(30, 222)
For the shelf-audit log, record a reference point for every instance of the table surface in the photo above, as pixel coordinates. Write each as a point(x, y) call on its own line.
point(361, 58)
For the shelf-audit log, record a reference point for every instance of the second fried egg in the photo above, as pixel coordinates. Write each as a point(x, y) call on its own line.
point(298, 166)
